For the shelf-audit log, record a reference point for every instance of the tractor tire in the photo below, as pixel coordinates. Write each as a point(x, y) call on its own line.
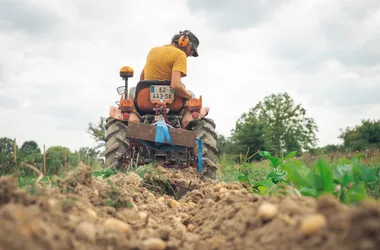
point(116, 143)
point(205, 130)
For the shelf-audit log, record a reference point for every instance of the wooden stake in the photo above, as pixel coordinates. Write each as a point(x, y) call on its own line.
point(44, 161)
point(14, 151)
point(78, 158)
point(64, 163)
point(88, 159)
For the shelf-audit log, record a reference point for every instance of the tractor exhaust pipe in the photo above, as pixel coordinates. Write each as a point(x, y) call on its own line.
point(126, 87)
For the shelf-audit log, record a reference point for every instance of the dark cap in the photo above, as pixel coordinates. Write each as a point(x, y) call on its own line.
point(193, 39)
point(194, 43)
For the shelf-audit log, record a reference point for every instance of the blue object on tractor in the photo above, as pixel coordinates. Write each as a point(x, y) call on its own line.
point(200, 150)
point(162, 132)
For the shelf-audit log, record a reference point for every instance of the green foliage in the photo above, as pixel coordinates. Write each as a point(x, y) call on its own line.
point(330, 148)
point(363, 136)
point(30, 147)
point(347, 180)
point(276, 125)
point(28, 181)
point(30, 153)
point(55, 158)
point(223, 145)
point(105, 173)
point(354, 178)
point(6, 155)
point(89, 152)
point(246, 171)
point(98, 133)
point(248, 133)
point(278, 175)
point(6, 146)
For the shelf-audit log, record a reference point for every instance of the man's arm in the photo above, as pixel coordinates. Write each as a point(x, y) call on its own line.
point(178, 86)
point(179, 70)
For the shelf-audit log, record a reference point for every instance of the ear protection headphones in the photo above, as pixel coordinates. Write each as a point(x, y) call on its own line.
point(183, 40)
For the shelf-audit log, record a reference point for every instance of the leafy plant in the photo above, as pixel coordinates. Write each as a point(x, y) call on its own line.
point(348, 180)
point(353, 179)
point(278, 175)
point(105, 173)
point(309, 182)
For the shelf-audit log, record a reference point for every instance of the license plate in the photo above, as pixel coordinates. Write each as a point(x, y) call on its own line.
point(158, 118)
point(161, 93)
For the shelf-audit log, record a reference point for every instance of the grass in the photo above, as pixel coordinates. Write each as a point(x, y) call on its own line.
point(29, 181)
point(230, 171)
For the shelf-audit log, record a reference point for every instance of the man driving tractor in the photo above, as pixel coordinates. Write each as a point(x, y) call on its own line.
point(169, 62)
point(179, 119)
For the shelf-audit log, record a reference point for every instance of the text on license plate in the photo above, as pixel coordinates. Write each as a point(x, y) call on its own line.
point(159, 92)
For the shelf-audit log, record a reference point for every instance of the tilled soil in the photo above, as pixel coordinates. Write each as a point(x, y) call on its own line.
point(121, 212)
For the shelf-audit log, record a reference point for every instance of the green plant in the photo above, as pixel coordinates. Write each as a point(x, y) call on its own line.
point(278, 175)
point(354, 179)
point(105, 173)
point(348, 180)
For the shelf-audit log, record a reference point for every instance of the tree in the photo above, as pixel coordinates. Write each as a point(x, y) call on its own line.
point(224, 145)
point(363, 136)
point(370, 132)
point(331, 148)
point(55, 158)
point(327, 149)
point(277, 125)
point(98, 133)
point(89, 152)
point(30, 147)
point(31, 153)
point(6, 145)
point(248, 135)
point(6, 155)
point(6, 150)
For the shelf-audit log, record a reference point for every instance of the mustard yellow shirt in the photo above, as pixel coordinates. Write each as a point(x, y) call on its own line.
point(162, 60)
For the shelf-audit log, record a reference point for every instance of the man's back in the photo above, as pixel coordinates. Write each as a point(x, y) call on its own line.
point(161, 61)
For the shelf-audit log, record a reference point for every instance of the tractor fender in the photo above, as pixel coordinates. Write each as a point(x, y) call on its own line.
point(188, 116)
point(115, 113)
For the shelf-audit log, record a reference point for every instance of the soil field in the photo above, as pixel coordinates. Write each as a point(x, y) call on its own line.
point(125, 211)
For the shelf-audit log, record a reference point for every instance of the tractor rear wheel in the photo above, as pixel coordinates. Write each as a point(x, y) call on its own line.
point(116, 143)
point(205, 130)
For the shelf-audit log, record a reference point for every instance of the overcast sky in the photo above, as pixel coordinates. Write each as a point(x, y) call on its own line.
point(59, 60)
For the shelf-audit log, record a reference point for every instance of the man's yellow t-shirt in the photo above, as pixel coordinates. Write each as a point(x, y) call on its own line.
point(161, 61)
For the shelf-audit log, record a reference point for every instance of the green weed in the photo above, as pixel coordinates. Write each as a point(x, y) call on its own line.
point(349, 180)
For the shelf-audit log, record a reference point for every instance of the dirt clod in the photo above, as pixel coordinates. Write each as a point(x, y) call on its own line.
point(312, 224)
point(154, 244)
point(267, 211)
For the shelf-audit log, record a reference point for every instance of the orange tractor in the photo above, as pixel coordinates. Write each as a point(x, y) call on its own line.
point(160, 135)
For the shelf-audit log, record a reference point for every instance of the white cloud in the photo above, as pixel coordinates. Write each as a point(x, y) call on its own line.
point(57, 76)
